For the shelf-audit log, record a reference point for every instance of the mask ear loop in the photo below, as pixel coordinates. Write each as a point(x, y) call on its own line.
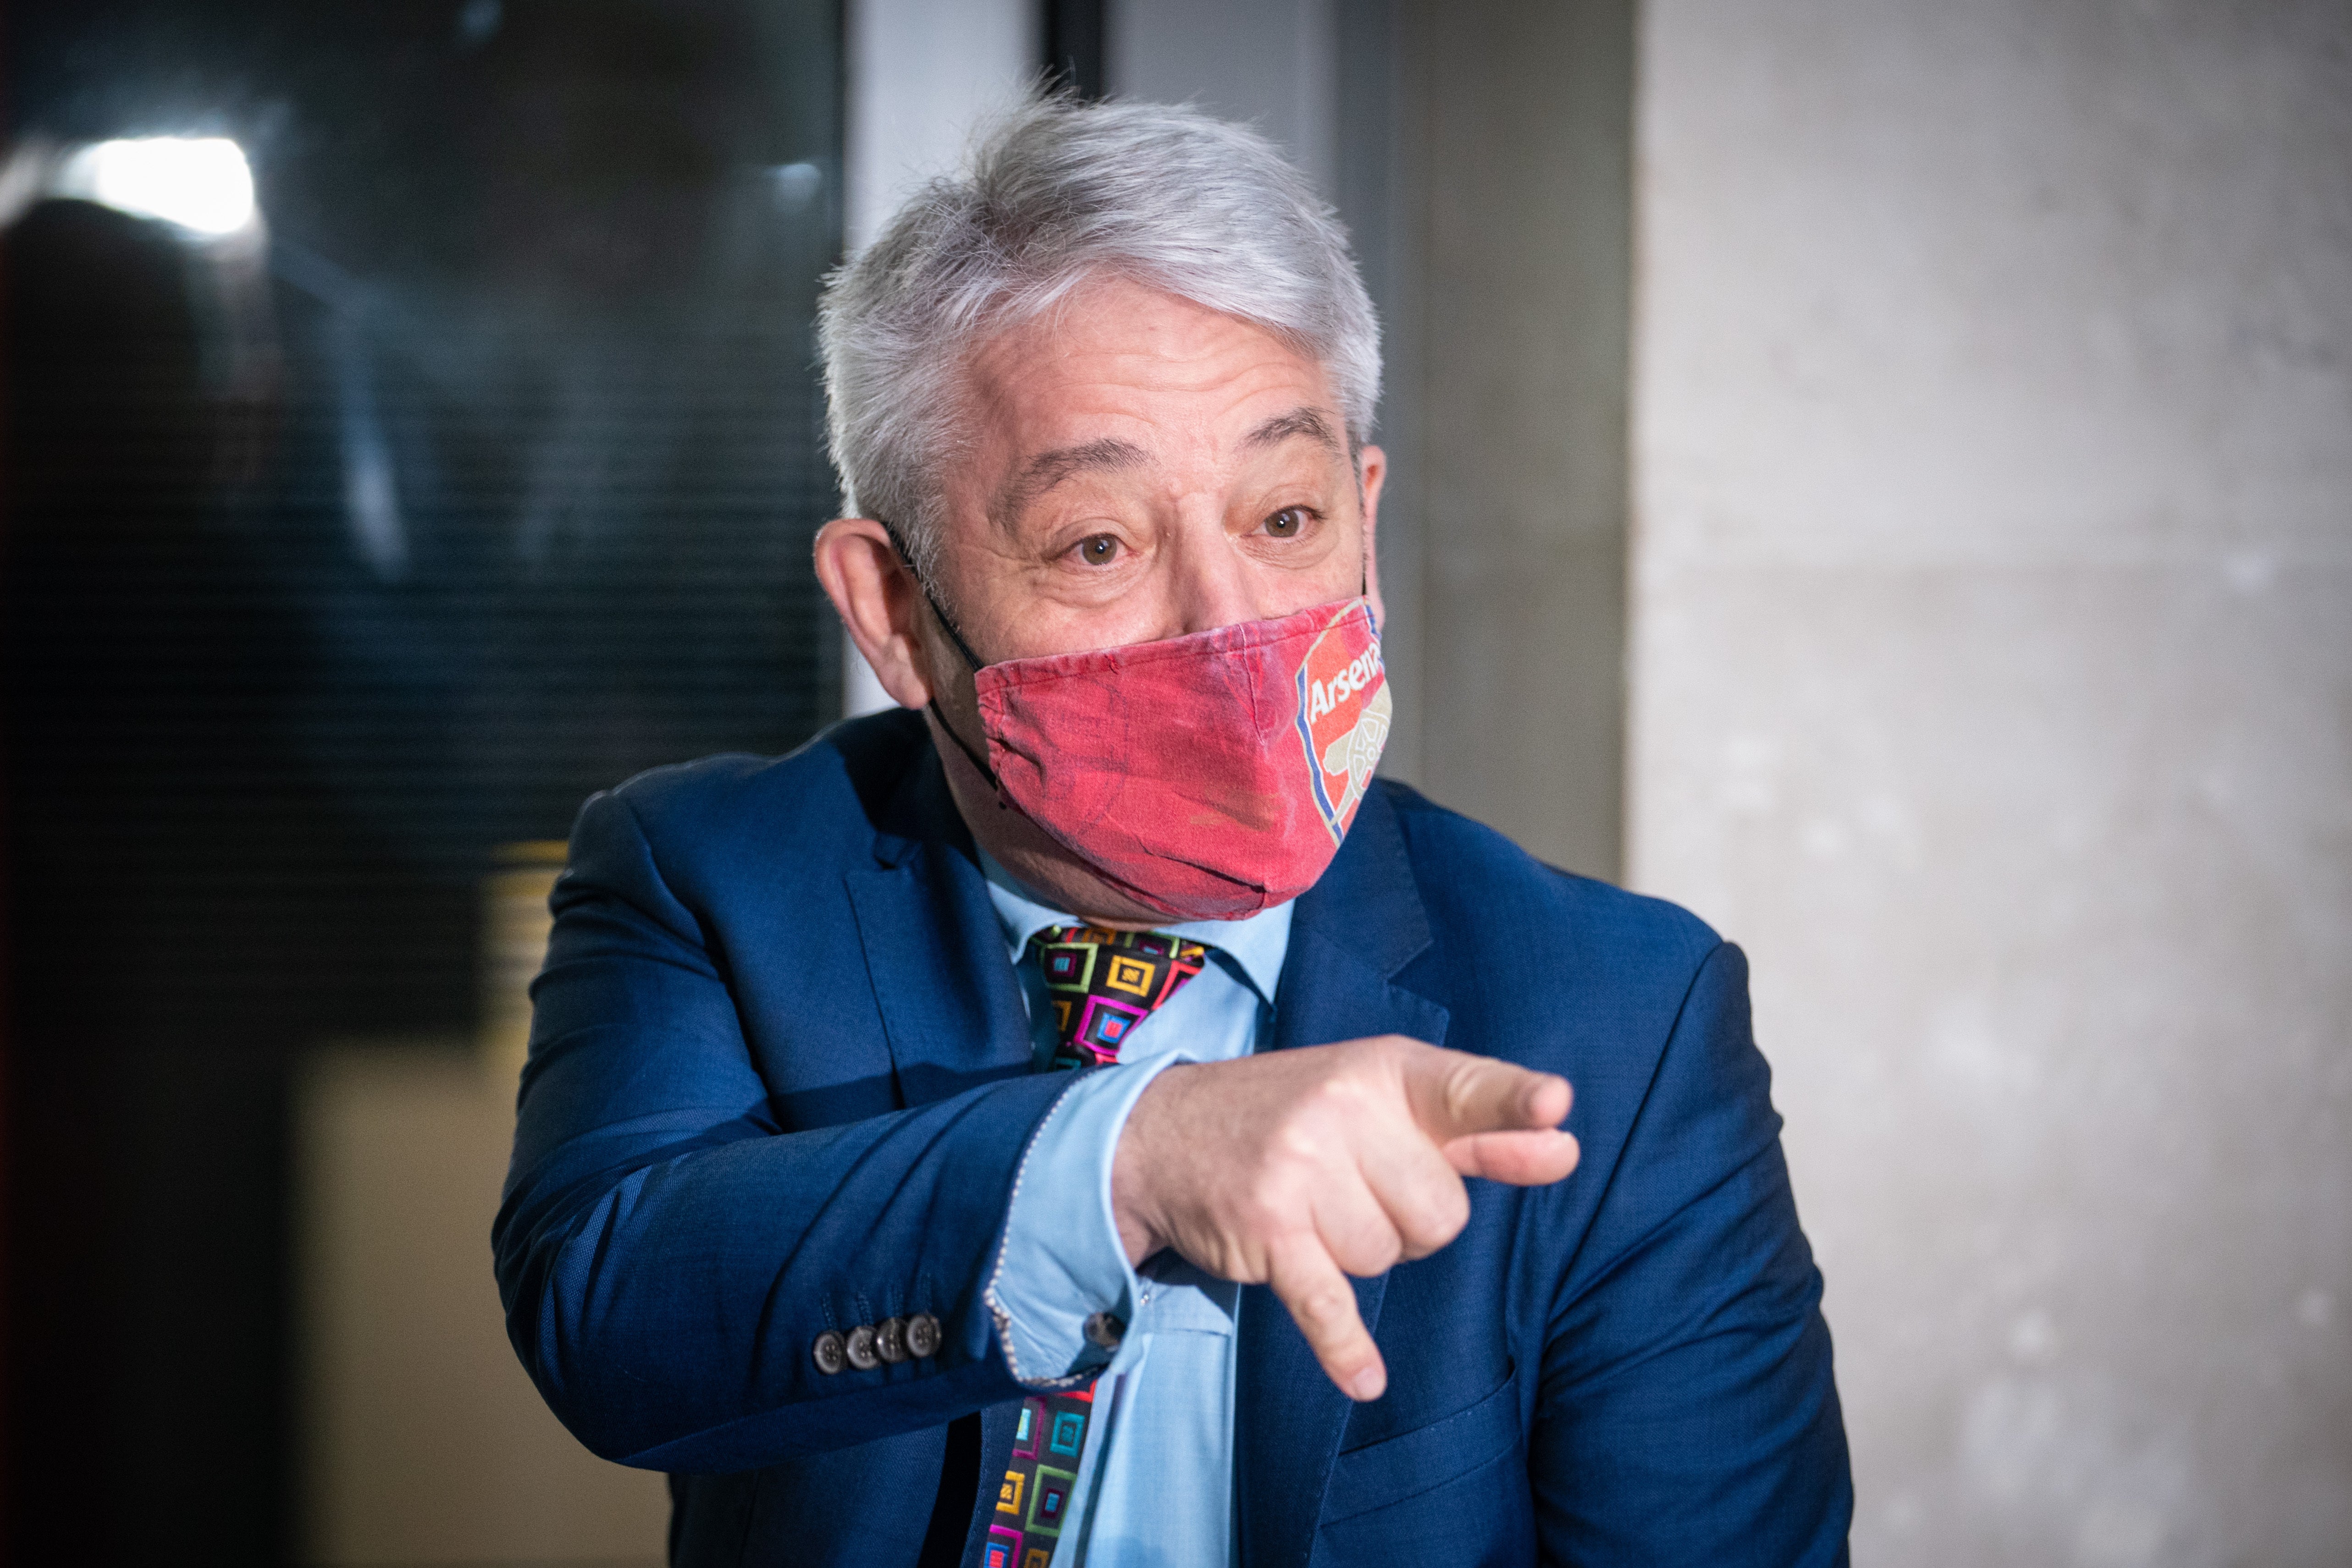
point(1363, 576)
point(963, 648)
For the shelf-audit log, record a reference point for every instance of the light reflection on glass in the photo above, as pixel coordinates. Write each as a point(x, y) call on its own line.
point(200, 183)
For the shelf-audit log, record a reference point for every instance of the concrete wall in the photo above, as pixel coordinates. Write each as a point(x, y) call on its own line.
point(1515, 124)
point(1992, 682)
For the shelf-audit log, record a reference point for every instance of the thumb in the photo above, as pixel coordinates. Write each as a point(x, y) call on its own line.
point(1456, 1095)
point(1521, 1159)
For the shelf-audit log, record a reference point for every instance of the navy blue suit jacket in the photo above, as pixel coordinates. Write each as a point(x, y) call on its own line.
point(779, 1082)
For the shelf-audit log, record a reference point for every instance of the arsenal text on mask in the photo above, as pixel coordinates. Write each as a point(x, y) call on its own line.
point(1323, 696)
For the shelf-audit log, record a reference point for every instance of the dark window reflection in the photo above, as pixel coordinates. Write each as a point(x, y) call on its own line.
point(339, 552)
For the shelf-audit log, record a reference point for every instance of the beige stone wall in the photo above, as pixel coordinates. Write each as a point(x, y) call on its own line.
point(1991, 681)
point(1515, 127)
point(422, 1441)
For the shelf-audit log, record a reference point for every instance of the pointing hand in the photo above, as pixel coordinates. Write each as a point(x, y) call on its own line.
point(1299, 1168)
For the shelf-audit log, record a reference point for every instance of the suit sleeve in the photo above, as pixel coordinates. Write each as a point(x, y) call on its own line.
point(668, 1255)
point(1687, 1412)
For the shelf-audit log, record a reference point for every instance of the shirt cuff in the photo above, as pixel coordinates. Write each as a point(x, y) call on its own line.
point(1061, 1260)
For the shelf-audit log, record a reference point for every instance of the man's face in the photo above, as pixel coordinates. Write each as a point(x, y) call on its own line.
point(1143, 467)
point(1134, 467)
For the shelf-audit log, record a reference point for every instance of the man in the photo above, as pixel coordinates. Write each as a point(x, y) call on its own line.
point(804, 1209)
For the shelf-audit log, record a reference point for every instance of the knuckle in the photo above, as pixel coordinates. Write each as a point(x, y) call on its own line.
point(1341, 1091)
point(1460, 1088)
point(1295, 1155)
point(1324, 1120)
point(1325, 1308)
point(1374, 1250)
point(1326, 1096)
point(1431, 1235)
point(1264, 1206)
point(1445, 1209)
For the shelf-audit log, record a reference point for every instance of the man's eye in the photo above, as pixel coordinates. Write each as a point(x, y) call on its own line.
point(1288, 522)
point(1100, 550)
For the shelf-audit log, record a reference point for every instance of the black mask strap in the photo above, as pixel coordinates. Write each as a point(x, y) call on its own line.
point(945, 624)
point(965, 747)
point(962, 647)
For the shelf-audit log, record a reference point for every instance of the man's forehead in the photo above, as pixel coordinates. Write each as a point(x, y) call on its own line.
point(1034, 474)
point(1122, 378)
point(1116, 347)
point(1043, 471)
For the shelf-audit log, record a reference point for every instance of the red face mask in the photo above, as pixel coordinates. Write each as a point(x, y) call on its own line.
point(1206, 777)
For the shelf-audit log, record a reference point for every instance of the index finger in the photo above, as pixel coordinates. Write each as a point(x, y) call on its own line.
point(1456, 1095)
point(1323, 1304)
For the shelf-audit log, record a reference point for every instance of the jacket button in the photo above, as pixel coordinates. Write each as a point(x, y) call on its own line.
point(860, 1348)
point(922, 1334)
point(1106, 1330)
point(890, 1339)
point(831, 1351)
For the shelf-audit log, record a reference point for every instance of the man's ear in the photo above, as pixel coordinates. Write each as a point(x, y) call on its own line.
point(1372, 469)
point(874, 594)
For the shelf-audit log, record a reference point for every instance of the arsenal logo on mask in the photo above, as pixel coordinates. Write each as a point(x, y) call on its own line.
point(1343, 717)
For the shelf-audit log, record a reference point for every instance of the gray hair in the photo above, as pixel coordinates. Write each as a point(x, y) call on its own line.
point(1057, 193)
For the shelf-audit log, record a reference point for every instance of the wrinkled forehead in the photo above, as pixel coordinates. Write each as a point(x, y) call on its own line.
point(1120, 377)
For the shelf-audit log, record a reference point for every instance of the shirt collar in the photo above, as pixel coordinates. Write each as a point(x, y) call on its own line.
point(1255, 946)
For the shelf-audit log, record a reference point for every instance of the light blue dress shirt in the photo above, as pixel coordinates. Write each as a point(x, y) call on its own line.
point(1154, 1487)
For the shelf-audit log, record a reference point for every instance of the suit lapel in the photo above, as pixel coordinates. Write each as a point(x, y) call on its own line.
point(1356, 928)
point(934, 951)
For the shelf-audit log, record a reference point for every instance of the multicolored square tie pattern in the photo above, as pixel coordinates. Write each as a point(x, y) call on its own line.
point(1034, 1498)
point(1102, 984)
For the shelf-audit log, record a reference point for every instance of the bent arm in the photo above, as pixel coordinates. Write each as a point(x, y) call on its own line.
point(1688, 1412)
point(668, 1255)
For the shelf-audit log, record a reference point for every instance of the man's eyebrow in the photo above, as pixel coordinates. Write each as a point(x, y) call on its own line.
point(1300, 421)
point(1047, 469)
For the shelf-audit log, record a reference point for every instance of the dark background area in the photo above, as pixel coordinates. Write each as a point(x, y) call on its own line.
point(328, 568)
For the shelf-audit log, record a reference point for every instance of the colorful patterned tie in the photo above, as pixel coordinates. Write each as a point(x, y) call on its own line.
point(1102, 985)
point(1104, 982)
